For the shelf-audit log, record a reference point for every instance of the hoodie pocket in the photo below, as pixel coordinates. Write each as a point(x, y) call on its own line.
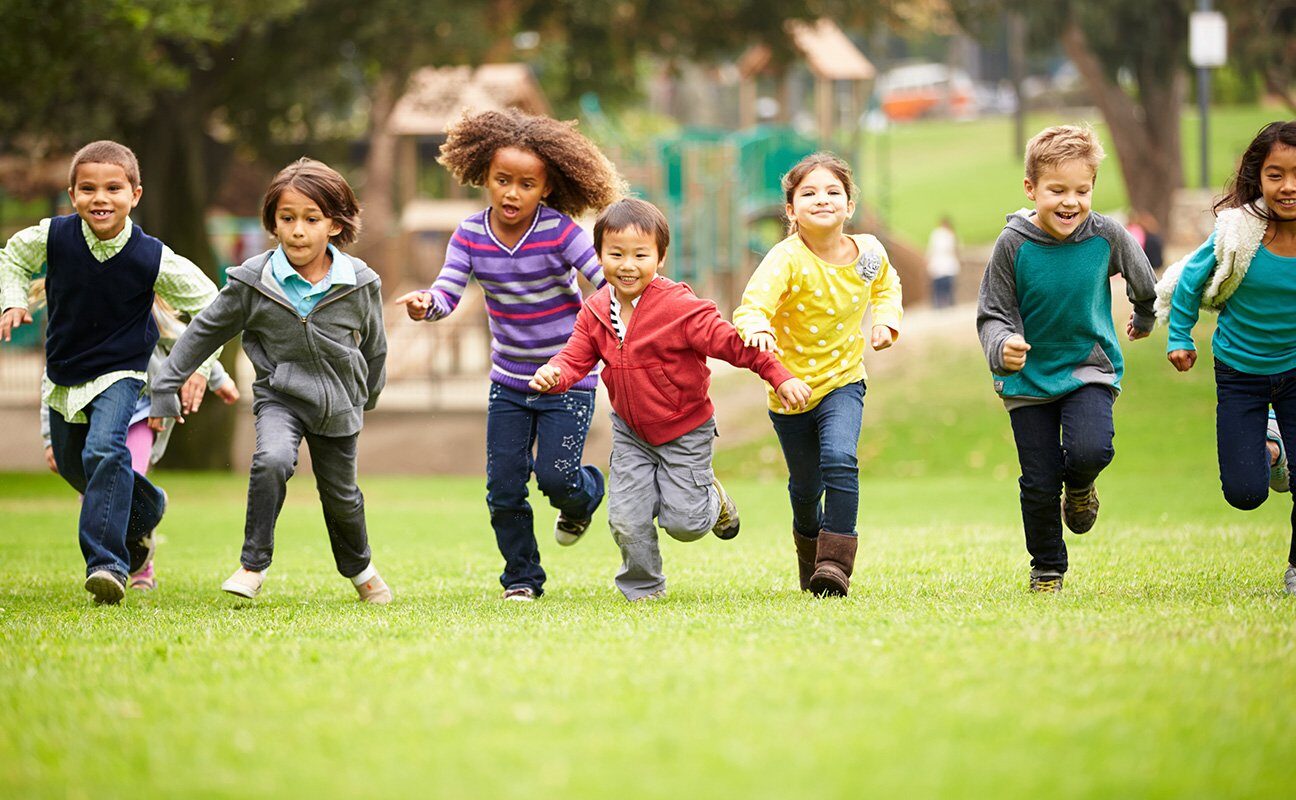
point(295, 379)
point(656, 398)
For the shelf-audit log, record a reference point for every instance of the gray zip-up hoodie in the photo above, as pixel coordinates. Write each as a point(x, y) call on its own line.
point(328, 367)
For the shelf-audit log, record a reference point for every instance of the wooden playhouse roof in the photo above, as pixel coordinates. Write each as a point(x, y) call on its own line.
point(437, 96)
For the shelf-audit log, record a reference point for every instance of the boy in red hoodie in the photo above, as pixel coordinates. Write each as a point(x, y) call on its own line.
point(654, 335)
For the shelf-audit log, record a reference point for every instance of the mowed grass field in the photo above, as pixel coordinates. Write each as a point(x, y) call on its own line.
point(1164, 670)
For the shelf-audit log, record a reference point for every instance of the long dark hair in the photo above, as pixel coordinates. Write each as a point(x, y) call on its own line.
point(1243, 189)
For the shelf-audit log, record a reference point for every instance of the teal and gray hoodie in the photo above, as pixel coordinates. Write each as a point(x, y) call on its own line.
point(1057, 295)
point(328, 366)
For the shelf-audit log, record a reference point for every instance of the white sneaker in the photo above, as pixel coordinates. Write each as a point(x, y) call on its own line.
point(568, 531)
point(244, 583)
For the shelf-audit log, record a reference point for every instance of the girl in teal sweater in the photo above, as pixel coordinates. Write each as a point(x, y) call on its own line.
point(1246, 271)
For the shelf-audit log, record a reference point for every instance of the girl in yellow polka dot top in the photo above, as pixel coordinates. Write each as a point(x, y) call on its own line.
point(806, 301)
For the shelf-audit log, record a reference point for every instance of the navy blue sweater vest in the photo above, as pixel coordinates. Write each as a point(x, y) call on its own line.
point(100, 314)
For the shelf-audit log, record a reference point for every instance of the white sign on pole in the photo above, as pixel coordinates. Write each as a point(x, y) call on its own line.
point(1207, 39)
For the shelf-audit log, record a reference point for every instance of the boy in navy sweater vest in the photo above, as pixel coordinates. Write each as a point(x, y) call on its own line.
point(102, 274)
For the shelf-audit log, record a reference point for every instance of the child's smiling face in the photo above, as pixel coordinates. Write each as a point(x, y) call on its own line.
point(517, 182)
point(103, 196)
point(1278, 182)
point(630, 261)
point(302, 230)
point(1063, 194)
point(820, 202)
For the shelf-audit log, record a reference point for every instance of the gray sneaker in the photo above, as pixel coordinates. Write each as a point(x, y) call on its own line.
point(1045, 581)
point(1289, 580)
point(1279, 472)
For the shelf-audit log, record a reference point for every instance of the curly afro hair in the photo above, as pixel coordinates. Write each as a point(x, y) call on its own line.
point(580, 177)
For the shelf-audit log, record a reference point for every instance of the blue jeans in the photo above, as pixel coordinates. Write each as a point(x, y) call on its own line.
point(120, 505)
point(1241, 418)
point(819, 447)
point(554, 427)
point(1064, 442)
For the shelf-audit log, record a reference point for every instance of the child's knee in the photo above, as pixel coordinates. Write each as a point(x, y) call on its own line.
point(274, 462)
point(553, 481)
point(1091, 459)
point(1245, 497)
point(687, 524)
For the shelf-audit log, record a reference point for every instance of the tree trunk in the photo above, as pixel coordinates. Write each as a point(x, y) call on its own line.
point(380, 237)
point(1145, 134)
point(174, 152)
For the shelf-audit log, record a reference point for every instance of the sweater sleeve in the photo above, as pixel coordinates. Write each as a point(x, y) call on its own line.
point(765, 290)
point(708, 333)
point(998, 315)
point(885, 294)
point(1129, 260)
point(20, 261)
point(373, 346)
point(579, 355)
point(449, 286)
point(213, 327)
point(579, 253)
point(1185, 305)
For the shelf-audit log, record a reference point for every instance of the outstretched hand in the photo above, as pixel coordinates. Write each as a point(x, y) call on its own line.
point(793, 393)
point(764, 342)
point(545, 378)
point(417, 303)
point(12, 319)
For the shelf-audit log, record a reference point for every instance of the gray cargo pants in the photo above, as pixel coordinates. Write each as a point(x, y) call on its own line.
point(671, 482)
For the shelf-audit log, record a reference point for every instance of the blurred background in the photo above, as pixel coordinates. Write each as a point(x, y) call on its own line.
point(702, 106)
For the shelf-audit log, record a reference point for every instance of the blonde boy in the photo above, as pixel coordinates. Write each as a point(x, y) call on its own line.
point(1045, 321)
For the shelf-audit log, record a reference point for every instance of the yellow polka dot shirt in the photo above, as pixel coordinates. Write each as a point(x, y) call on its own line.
point(815, 311)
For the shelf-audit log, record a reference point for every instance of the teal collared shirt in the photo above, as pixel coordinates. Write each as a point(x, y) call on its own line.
point(303, 294)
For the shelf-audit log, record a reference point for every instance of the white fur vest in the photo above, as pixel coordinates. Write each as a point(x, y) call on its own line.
point(1238, 234)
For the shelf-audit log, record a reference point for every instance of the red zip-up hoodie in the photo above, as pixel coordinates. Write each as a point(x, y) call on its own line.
point(658, 377)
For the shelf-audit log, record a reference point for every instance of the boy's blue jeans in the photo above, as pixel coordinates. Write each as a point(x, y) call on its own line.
point(554, 426)
point(120, 505)
point(1064, 442)
point(1241, 418)
point(820, 447)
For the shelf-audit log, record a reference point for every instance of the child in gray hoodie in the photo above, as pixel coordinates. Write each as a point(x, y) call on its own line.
point(311, 319)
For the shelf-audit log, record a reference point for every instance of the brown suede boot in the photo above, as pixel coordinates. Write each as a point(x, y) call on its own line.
point(805, 550)
point(834, 562)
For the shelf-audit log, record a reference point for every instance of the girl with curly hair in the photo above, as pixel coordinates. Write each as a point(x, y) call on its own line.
point(525, 251)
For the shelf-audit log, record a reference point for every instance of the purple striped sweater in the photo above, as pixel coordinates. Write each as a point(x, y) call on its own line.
point(531, 291)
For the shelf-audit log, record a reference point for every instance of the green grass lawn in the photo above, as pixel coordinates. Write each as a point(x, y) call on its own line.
point(969, 170)
point(1164, 670)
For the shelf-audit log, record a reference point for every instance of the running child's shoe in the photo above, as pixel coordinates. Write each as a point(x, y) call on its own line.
point(726, 526)
point(244, 583)
point(519, 594)
point(144, 580)
point(1279, 471)
point(107, 588)
point(1080, 508)
point(375, 590)
point(1289, 580)
point(568, 531)
point(1045, 581)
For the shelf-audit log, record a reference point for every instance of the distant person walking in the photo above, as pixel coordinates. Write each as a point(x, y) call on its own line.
point(942, 263)
point(1143, 227)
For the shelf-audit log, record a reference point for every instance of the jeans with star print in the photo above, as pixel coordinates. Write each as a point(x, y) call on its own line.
point(528, 432)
